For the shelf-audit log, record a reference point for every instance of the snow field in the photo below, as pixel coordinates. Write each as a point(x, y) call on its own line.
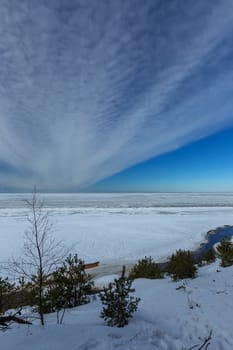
point(110, 236)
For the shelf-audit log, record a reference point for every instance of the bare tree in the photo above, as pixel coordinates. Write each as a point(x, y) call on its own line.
point(41, 252)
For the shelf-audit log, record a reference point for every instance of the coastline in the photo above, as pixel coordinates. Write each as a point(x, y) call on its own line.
point(115, 268)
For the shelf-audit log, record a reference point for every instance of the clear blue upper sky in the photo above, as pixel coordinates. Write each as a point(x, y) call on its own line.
point(203, 166)
point(116, 95)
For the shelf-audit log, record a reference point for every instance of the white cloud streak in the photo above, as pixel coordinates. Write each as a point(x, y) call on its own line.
point(88, 89)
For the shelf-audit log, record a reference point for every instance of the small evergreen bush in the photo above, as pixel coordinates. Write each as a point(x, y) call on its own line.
point(225, 251)
point(119, 306)
point(209, 256)
point(27, 293)
point(181, 265)
point(6, 292)
point(206, 258)
point(146, 268)
point(69, 285)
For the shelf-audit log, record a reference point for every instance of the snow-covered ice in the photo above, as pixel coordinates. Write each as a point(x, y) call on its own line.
point(114, 228)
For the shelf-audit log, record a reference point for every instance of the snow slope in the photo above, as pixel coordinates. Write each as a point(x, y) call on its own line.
point(167, 319)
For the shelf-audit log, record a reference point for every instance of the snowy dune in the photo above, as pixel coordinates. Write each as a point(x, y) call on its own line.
point(167, 319)
point(116, 228)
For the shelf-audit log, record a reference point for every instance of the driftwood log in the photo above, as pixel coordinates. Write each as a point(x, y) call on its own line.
point(6, 320)
point(91, 265)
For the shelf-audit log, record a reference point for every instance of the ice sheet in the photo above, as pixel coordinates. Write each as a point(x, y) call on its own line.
point(118, 234)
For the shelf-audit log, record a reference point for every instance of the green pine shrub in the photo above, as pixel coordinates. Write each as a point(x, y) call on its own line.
point(118, 305)
point(69, 285)
point(7, 290)
point(225, 251)
point(206, 258)
point(26, 293)
point(209, 256)
point(181, 265)
point(146, 268)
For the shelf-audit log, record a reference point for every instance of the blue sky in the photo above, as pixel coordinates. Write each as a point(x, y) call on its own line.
point(203, 166)
point(124, 95)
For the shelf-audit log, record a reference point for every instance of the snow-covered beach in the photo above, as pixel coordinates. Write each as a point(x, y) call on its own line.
point(116, 229)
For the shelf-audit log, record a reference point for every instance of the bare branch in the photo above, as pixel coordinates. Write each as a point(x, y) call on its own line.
point(204, 345)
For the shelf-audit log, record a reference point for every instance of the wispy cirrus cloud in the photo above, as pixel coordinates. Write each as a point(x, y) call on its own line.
point(88, 89)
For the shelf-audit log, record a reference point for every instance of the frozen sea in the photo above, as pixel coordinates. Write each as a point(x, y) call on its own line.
point(118, 228)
